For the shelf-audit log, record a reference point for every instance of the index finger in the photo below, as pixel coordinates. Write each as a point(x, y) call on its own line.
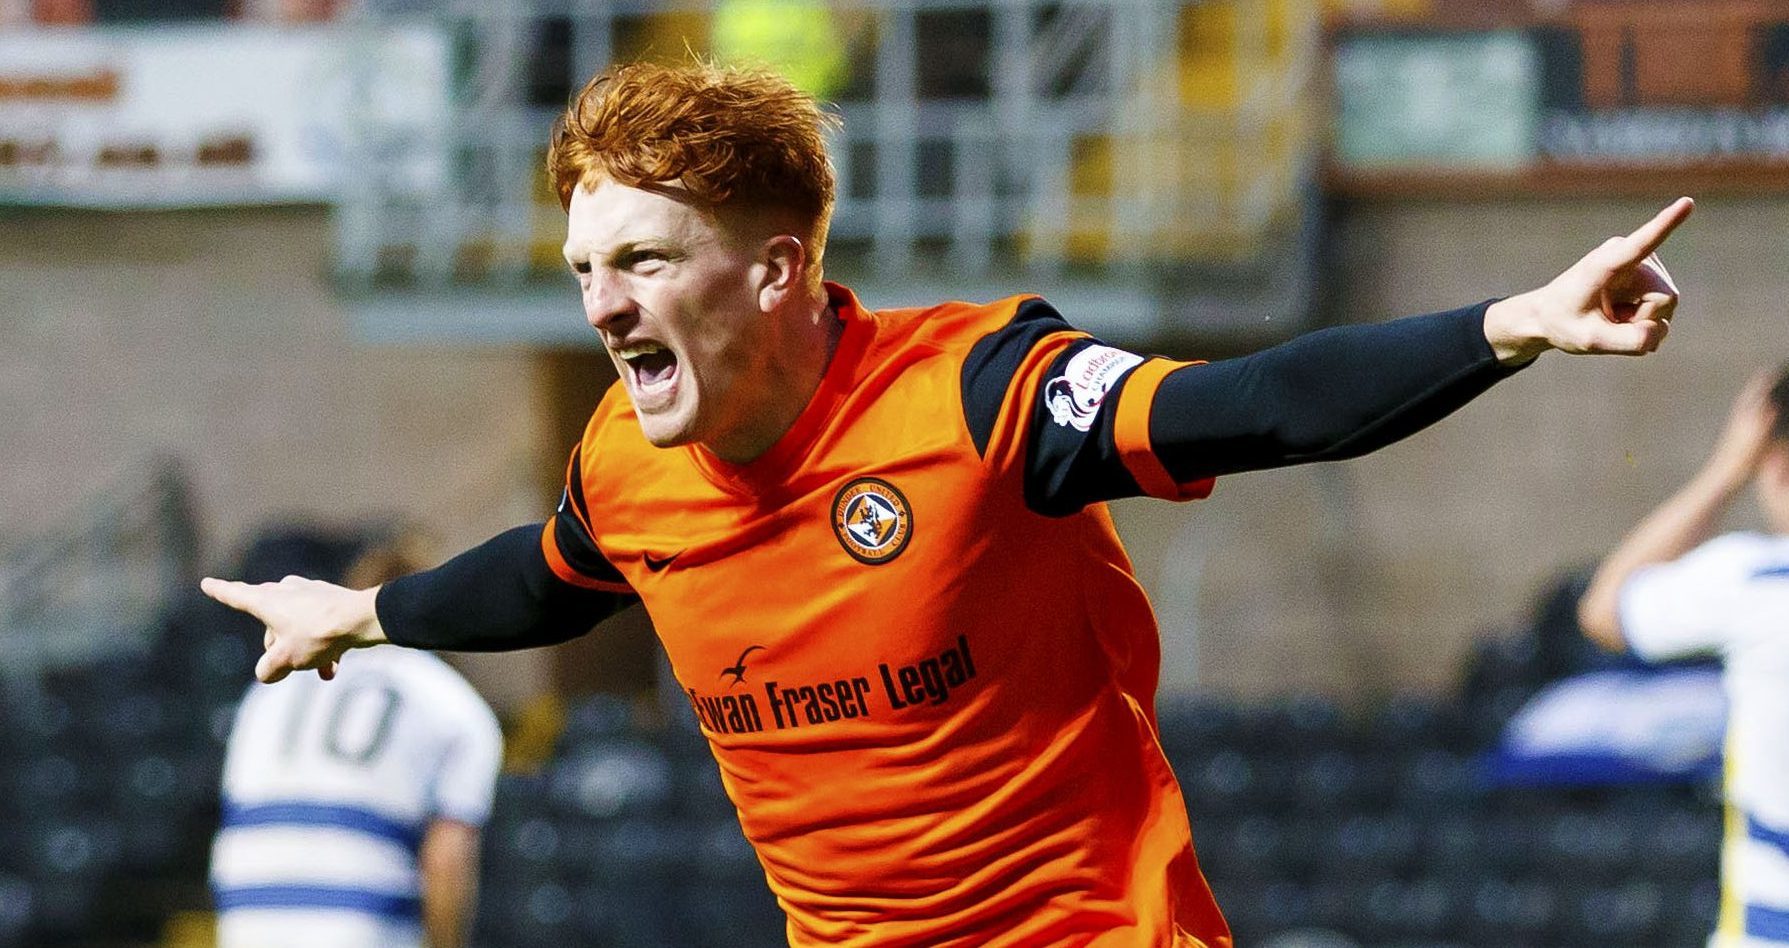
point(1652, 234)
point(233, 594)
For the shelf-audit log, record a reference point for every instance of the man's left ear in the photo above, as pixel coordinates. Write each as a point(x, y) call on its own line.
point(785, 262)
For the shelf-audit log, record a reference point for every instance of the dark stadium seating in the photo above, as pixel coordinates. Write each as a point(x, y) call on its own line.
point(1316, 826)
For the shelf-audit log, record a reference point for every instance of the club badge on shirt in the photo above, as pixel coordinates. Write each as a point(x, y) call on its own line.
point(1074, 396)
point(872, 520)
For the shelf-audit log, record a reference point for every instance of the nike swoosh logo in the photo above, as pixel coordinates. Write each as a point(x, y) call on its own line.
point(657, 565)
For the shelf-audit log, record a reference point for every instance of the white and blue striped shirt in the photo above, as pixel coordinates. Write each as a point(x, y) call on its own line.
point(1730, 597)
point(328, 789)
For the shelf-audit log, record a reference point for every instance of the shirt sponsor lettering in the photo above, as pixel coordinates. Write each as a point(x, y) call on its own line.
point(893, 688)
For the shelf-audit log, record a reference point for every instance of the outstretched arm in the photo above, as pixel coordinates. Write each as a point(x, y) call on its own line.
point(497, 596)
point(1688, 519)
point(1106, 424)
point(1342, 392)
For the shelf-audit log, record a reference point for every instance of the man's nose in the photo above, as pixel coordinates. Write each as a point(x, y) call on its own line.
point(606, 301)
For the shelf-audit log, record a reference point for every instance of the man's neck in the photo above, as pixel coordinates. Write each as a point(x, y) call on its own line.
point(794, 389)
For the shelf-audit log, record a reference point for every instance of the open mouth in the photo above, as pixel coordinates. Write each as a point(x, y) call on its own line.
point(654, 366)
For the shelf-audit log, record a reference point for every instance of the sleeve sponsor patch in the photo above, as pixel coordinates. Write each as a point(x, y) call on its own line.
point(1074, 397)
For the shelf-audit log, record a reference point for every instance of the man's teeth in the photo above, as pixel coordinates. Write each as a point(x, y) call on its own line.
point(638, 349)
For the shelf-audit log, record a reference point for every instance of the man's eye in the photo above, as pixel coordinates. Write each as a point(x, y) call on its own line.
point(635, 260)
point(581, 268)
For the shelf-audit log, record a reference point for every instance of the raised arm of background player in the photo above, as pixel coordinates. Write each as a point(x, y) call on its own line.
point(1332, 394)
point(1689, 518)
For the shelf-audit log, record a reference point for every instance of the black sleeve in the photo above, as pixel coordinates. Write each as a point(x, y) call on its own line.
point(498, 596)
point(1333, 394)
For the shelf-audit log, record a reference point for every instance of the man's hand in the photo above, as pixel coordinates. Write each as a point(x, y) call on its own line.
point(310, 623)
point(1617, 300)
point(1746, 438)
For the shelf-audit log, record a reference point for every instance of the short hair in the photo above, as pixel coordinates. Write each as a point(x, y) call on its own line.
point(728, 136)
point(1779, 400)
point(405, 549)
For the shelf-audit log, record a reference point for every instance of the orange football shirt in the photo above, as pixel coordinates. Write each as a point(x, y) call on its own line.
point(932, 705)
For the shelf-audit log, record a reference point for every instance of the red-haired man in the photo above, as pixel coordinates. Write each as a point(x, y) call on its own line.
point(875, 544)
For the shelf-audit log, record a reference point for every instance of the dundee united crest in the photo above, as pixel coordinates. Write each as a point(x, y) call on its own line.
point(872, 520)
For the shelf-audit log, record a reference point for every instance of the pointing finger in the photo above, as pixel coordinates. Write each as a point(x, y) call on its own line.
point(1641, 243)
point(233, 594)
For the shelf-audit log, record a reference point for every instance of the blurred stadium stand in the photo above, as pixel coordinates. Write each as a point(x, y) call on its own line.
point(1155, 156)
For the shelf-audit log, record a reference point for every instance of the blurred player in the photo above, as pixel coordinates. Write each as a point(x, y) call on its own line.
point(1669, 591)
point(874, 544)
point(352, 811)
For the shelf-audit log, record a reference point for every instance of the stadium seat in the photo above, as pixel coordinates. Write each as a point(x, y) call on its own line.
point(1625, 914)
point(722, 853)
point(62, 910)
point(1301, 724)
point(1681, 844)
point(1286, 904)
point(1197, 728)
point(593, 719)
point(1248, 848)
point(151, 842)
point(546, 917)
point(733, 915)
point(1434, 780)
point(1309, 938)
point(1509, 842)
point(18, 907)
point(1590, 844)
point(1410, 723)
point(1331, 780)
point(646, 915)
point(1223, 784)
point(642, 849)
point(41, 724)
point(1304, 856)
point(1510, 911)
point(1377, 845)
point(63, 781)
point(524, 851)
point(69, 849)
point(617, 777)
point(699, 793)
point(1419, 909)
point(1689, 912)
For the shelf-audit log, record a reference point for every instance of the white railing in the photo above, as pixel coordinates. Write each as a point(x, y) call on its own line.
point(1080, 150)
point(93, 589)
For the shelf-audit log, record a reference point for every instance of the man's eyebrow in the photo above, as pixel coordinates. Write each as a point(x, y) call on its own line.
point(621, 250)
point(579, 253)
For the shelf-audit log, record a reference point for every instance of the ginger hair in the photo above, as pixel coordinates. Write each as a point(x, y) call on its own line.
point(728, 137)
